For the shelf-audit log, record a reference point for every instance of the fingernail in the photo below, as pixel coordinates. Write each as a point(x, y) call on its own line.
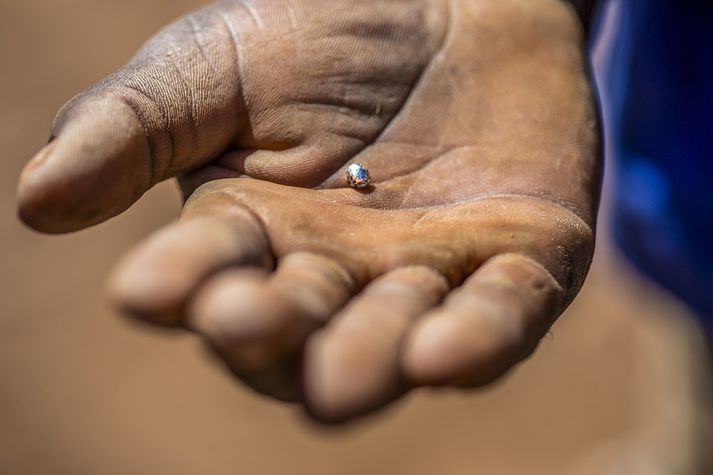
point(40, 158)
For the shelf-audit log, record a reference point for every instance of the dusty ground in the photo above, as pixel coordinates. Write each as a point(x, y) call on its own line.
point(85, 392)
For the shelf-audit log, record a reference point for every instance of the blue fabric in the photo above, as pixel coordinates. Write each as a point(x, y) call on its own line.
point(661, 90)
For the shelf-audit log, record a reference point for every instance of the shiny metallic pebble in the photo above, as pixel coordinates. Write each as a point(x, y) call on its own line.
point(357, 176)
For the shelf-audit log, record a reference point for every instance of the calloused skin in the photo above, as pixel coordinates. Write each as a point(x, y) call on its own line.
point(477, 122)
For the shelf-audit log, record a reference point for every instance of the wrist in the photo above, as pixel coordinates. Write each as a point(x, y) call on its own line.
point(585, 9)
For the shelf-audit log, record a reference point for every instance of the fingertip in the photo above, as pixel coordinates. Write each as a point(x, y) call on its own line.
point(352, 366)
point(94, 169)
point(146, 293)
point(336, 374)
point(458, 350)
point(428, 357)
point(230, 308)
point(468, 350)
point(244, 319)
point(36, 200)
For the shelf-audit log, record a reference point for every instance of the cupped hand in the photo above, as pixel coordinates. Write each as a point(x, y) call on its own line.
point(476, 121)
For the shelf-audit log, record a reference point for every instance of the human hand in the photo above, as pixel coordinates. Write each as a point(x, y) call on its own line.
point(476, 121)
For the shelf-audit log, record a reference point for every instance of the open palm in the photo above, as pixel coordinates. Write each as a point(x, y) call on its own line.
point(476, 122)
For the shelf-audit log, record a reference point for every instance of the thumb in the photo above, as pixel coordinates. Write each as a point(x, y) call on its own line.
point(173, 108)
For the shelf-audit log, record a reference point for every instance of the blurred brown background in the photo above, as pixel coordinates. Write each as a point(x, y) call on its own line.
point(615, 389)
